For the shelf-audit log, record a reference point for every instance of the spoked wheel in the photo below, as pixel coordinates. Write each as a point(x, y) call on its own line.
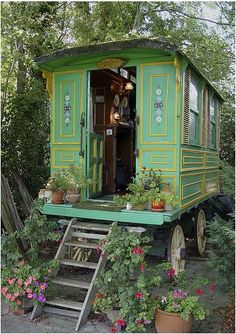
point(199, 232)
point(176, 249)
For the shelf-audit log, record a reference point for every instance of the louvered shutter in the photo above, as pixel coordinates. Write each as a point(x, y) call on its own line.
point(185, 138)
point(205, 118)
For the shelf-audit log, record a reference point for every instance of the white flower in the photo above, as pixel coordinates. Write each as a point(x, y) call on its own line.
point(163, 299)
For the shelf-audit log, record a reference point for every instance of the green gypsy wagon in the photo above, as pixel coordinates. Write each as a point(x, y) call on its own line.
point(116, 108)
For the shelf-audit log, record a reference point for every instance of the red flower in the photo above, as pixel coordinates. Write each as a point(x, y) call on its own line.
point(139, 295)
point(171, 273)
point(212, 287)
point(99, 295)
point(113, 329)
point(139, 322)
point(98, 249)
point(142, 267)
point(199, 292)
point(138, 250)
point(121, 322)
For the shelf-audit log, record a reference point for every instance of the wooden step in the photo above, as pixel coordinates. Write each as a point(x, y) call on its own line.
point(65, 303)
point(89, 235)
point(66, 313)
point(90, 265)
point(81, 244)
point(91, 227)
point(71, 282)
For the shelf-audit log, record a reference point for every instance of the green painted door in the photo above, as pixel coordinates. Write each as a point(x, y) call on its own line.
point(96, 164)
point(67, 108)
point(158, 119)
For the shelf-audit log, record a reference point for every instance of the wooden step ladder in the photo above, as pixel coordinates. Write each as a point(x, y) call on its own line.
point(71, 308)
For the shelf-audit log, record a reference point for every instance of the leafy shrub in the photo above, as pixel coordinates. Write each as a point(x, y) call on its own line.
point(222, 252)
point(227, 177)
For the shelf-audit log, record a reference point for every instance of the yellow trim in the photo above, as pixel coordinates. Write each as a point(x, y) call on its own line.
point(184, 206)
point(167, 75)
point(170, 149)
point(62, 83)
point(141, 107)
point(70, 159)
point(192, 194)
point(53, 141)
point(55, 164)
point(165, 157)
point(68, 72)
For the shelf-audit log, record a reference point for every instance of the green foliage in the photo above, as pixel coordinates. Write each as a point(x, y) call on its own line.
point(222, 251)
point(227, 178)
point(75, 179)
point(150, 179)
point(37, 230)
point(170, 199)
point(128, 283)
point(59, 181)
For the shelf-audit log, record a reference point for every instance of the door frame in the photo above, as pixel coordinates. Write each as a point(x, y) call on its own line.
point(88, 118)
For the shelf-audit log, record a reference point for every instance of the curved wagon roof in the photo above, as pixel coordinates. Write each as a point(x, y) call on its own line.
point(66, 56)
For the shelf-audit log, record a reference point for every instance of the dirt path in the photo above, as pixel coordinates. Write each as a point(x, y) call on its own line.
point(100, 324)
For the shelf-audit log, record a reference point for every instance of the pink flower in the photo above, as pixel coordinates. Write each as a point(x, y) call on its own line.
point(11, 281)
point(12, 298)
point(29, 290)
point(4, 289)
point(212, 287)
point(113, 329)
point(42, 287)
point(98, 249)
point(171, 273)
point(18, 302)
point(20, 281)
point(138, 250)
point(21, 263)
point(16, 294)
point(8, 296)
point(30, 296)
point(199, 292)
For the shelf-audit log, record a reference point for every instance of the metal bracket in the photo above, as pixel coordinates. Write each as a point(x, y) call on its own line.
point(82, 125)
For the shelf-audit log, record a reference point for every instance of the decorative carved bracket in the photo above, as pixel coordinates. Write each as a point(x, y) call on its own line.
point(49, 81)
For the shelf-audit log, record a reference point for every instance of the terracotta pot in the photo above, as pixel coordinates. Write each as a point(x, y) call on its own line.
point(166, 322)
point(58, 197)
point(158, 205)
point(139, 207)
point(72, 196)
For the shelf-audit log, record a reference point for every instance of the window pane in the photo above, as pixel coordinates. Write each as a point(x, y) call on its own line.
point(124, 73)
point(192, 125)
point(212, 109)
point(193, 97)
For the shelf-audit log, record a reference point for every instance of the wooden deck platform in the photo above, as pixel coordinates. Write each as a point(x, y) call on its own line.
point(126, 216)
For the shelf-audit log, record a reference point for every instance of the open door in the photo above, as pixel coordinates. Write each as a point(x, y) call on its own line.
point(96, 164)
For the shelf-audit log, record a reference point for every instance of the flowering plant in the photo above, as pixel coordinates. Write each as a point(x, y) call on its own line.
point(129, 284)
point(185, 296)
point(22, 281)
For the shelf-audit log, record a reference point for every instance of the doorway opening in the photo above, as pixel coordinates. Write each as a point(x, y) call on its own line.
point(112, 125)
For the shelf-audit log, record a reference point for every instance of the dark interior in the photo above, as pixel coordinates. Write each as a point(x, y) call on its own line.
point(113, 103)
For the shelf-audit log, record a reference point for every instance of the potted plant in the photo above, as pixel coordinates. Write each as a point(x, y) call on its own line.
point(170, 201)
point(137, 197)
point(181, 301)
point(149, 178)
point(156, 199)
point(75, 182)
point(58, 186)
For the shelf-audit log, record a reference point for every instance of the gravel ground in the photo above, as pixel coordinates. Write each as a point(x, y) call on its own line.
point(96, 323)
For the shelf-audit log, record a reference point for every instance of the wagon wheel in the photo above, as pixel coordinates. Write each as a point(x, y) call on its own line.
point(199, 232)
point(176, 249)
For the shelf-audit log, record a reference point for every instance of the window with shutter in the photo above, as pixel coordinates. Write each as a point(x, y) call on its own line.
point(194, 110)
point(185, 138)
point(213, 113)
point(205, 118)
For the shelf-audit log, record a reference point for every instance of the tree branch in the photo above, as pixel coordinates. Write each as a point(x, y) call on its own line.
point(186, 15)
